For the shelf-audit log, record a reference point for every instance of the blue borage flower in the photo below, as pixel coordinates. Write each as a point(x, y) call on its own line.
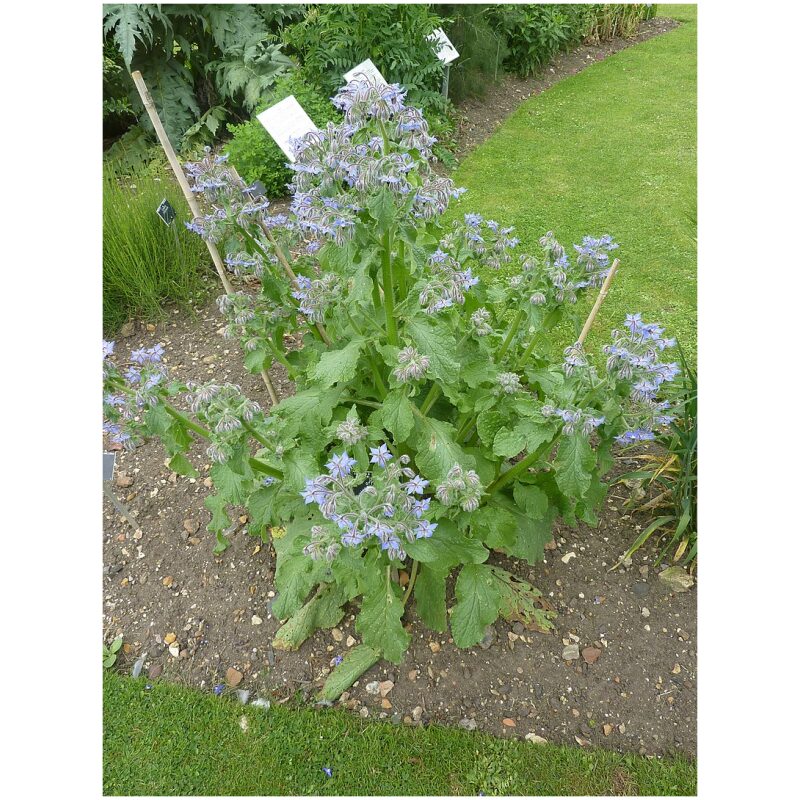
point(385, 511)
point(575, 420)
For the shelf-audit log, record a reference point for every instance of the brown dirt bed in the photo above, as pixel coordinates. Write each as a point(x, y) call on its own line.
point(164, 579)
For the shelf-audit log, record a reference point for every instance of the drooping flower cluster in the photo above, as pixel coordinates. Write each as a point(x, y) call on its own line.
point(480, 320)
point(575, 420)
point(447, 283)
point(487, 242)
point(315, 296)
point(389, 510)
point(228, 413)
point(509, 382)
point(130, 390)
point(413, 365)
point(633, 356)
point(338, 168)
point(460, 487)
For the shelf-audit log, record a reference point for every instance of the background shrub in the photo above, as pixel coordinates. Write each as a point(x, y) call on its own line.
point(144, 265)
point(253, 151)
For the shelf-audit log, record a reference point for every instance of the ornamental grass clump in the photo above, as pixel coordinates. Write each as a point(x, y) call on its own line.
point(432, 422)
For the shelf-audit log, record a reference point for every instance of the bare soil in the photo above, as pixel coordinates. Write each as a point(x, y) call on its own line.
point(161, 577)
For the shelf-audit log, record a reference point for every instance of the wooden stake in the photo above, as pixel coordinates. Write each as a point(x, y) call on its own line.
point(190, 198)
point(150, 107)
point(598, 302)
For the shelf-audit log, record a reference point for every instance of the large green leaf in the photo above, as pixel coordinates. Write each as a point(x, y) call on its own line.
point(438, 344)
point(574, 463)
point(230, 485)
point(395, 415)
point(447, 547)
point(437, 451)
point(429, 597)
point(494, 526)
point(309, 408)
point(338, 366)
point(508, 443)
point(379, 622)
point(478, 604)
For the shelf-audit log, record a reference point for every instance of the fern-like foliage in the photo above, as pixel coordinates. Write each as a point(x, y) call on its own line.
point(132, 22)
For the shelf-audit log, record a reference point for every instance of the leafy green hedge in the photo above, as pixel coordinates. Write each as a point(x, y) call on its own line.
point(253, 151)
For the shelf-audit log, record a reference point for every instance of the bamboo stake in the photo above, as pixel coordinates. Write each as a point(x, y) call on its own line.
point(598, 302)
point(194, 206)
point(178, 170)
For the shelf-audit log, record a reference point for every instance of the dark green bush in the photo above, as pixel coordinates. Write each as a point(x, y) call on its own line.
point(146, 264)
point(332, 39)
point(253, 151)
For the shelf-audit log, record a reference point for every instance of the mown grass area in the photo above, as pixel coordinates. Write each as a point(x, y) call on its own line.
point(172, 740)
point(612, 149)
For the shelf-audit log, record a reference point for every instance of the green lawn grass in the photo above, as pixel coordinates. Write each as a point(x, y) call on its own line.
point(172, 740)
point(609, 150)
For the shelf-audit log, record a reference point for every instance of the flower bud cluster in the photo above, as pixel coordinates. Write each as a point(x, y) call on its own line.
point(509, 383)
point(225, 411)
point(389, 510)
point(447, 283)
point(317, 295)
point(350, 432)
point(480, 320)
point(460, 487)
point(575, 420)
point(413, 365)
point(127, 392)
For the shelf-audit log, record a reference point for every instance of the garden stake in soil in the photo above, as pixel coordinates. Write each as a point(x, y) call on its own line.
point(190, 198)
point(598, 302)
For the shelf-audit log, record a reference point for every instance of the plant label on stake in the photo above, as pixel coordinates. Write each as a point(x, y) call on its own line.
point(366, 69)
point(256, 189)
point(443, 47)
point(166, 212)
point(285, 121)
point(108, 465)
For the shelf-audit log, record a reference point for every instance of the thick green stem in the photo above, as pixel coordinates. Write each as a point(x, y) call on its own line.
point(388, 290)
point(511, 334)
point(400, 269)
point(255, 434)
point(519, 467)
point(536, 338)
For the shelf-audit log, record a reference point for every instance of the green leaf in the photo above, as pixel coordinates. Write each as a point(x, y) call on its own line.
point(429, 597)
point(254, 360)
point(573, 463)
point(218, 506)
point(115, 645)
point(309, 408)
point(447, 547)
point(494, 526)
point(338, 366)
point(355, 663)
point(395, 415)
point(437, 451)
point(229, 484)
point(180, 464)
point(261, 506)
point(380, 625)
point(438, 344)
point(382, 209)
point(478, 604)
point(508, 443)
point(489, 423)
point(298, 464)
point(294, 579)
point(322, 611)
point(536, 432)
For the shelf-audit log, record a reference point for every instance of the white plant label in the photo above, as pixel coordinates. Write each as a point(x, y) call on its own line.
point(285, 121)
point(366, 69)
point(443, 46)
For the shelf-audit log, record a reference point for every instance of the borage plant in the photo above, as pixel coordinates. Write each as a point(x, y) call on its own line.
point(432, 421)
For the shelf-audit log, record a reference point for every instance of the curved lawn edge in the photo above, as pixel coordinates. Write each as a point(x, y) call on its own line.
point(611, 149)
point(173, 740)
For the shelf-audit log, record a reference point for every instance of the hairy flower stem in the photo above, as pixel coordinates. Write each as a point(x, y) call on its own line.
point(512, 332)
point(400, 269)
point(411, 582)
point(536, 338)
point(316, 327)
point(255, 463)
point(388, 290)
point(520, 467)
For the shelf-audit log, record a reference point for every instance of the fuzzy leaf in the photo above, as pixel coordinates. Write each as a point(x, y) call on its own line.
point(395, 415)
point(312, 407)
point(478, 604)
point(380, 625)
point(573, 463)
point(180, 464)
point(437, 450)
point(338, 366)
point(356, 662)
point(447, 547)
point(508, 443)
point(218, 507)
point(229, 484)
point(439, 345)
point(494, 526)
point(429, 597)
